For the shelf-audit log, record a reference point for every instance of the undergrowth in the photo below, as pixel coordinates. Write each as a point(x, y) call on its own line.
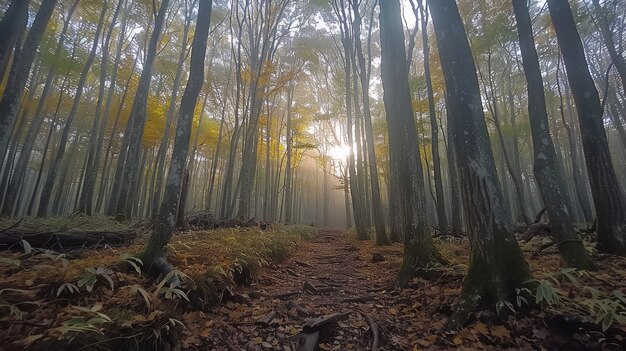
point(89, 302)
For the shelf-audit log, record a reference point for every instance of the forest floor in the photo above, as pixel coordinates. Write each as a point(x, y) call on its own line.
point(335, 274)
point(253, 289)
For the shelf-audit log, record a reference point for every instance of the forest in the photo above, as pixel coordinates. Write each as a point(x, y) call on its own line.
point(305, 175)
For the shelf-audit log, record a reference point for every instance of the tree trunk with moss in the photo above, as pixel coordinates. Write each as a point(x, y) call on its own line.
point(420, 254)
point(608, 198)
point(547, 169)
point(497, 266)
point(166, 219)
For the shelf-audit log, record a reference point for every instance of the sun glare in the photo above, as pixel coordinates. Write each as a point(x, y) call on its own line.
point(340, 152)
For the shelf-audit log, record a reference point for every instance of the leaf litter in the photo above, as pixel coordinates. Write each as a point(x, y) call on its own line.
point(270, 290)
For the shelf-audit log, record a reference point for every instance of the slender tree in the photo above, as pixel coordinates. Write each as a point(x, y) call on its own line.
point(363, 72)
point(420, 254)
point(127, 162)
point(22, 62)
point(608, 199)
point(547, 169)
point(434, 128)
point(168, 210)
point(95, 145)
point(56, 166)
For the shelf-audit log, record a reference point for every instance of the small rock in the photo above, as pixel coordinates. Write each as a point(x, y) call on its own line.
point(378, 257)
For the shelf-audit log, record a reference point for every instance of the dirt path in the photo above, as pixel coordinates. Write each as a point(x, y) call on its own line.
point(335, 275)
point(330, 274)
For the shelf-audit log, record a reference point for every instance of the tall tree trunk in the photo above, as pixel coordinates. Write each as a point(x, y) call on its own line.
point(217, 154)
point(169, 207)
point(288, 167)
point(607, 36)
point(579, 183)
point(356, 194)
point(420, 254)
point(608, 198)
point(38, 119)
point(434, 129)
point(126, 170)
point(106, 165)
point(54, 169)
point(364, 75)
point(85, 204)
point(12, 25)
point(547, 171)
point(497, 266)
point(22, 62)
point(156, 199)
point(455, 197)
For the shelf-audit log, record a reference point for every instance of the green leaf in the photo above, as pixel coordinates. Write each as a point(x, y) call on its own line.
point(607, 321)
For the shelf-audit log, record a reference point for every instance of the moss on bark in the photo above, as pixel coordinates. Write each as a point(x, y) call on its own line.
point(494, 274)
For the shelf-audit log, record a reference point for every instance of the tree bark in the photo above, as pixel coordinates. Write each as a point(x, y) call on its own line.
point(546, 167)
point(364, 74)
point(496, 266)
point(12, 25)
point(420, 254)
point(608, 198)
point(22, 62)
point(126, 170)
point(434, 129)
point(97, 131)
point(168, 210)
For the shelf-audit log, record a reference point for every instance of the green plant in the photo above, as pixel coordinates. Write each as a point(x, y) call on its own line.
point(69, 287)
point(13, 308)
point(604, 310)
point(173, 282)
point(132, 261)
point(87, 320)
point(137, 289)
point(90, 279)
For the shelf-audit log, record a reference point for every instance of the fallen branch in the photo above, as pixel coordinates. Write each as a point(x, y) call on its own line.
point(373, 328)
point(65, 241)
point(301, 311)
point(308, 339)
point(535, 229)
point(11, 226)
